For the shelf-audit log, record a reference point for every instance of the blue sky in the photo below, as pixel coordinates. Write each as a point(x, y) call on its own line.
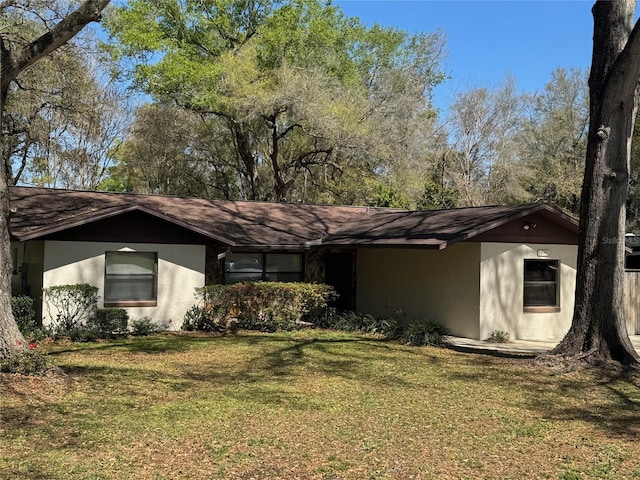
point(486, 40)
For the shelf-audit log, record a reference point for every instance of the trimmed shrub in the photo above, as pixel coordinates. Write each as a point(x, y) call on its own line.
point(266, 307)
point(144, 326)
point(109, 322)
point(73, 305)
point(263, 306)
point(271, 306)
point(197, 319)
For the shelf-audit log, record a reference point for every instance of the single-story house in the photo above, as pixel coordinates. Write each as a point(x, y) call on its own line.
point(475, 270)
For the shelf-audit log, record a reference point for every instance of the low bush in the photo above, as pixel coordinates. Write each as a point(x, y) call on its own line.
point(144, 326)
point(425, 332)
point(498, 336)
point(79, 334)
point(23, 312)
point(396, 326)
point(197, 319)
point(349, 321)
point(109, 322)
point(27, 362)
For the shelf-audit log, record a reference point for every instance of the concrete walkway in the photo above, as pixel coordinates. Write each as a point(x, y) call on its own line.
point(516, 347)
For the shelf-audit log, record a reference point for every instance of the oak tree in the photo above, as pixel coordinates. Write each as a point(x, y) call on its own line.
point(14, 59)
point(598, 329)
point(304, 95)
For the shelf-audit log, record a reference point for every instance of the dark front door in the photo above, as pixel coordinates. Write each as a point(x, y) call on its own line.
point(338, 272)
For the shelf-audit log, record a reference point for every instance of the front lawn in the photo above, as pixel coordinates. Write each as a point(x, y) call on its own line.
point(311, 404)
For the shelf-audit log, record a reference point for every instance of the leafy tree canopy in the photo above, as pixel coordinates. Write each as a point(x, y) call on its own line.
point(298, 86)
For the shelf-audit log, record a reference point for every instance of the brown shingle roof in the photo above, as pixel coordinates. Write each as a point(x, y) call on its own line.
point(38, 212)
point(436, 228)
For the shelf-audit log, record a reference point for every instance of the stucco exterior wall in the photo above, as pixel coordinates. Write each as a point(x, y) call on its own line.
point(440, 285)
point(502, 285)
point(180, 270)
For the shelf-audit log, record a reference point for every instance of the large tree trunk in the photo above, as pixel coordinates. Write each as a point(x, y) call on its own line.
point(12, 62)
point(11, 340)
point(598, 330)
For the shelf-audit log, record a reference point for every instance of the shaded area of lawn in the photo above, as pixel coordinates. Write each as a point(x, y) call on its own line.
point(312, 404)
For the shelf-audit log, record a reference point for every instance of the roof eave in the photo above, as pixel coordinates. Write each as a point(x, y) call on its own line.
point(569, 222)
point(382, 244)
point(75, 222)
point(269, 247)
point(90, 217)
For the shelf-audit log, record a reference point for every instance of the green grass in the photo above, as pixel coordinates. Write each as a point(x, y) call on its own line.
point(311, 405)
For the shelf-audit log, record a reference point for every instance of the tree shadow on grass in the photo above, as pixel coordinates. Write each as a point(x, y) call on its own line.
point(150, 344)
point(280, 360)
point(606, 399)
point(327, 356)
point(262, 377)
point(91, 394)
point(615, 410)
point(266, 377)
point(491, 353)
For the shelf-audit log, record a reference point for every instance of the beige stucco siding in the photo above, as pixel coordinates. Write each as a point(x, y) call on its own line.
point(501, 291)
point(180, 270)
point(440, 285)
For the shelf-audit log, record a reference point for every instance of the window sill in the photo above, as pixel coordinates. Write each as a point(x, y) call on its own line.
point(541, 309)
point(131, 303)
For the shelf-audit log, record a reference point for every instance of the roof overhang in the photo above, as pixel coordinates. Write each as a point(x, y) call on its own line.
point(438, 241)
point(554, 215)
point(110, 212)
point(77, 221)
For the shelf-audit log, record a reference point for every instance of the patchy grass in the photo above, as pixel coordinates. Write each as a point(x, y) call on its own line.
point(311, 405)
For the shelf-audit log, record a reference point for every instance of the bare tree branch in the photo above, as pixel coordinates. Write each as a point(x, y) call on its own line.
point(13, 64)
point(7, 4)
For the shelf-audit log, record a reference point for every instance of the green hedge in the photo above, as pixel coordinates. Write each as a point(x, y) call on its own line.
point(109, 322)
point(24, 314)
point(263, 306)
